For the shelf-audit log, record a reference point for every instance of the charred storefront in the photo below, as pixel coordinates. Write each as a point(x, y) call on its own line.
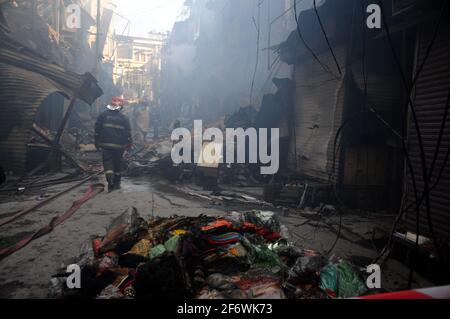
point(370, 109)
point(342, 92)
point(428, 132)
point(28, 86)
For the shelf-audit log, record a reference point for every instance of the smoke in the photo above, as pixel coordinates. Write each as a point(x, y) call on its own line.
point(221, 57)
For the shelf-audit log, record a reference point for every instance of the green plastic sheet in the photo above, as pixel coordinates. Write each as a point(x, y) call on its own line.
point(342, 280)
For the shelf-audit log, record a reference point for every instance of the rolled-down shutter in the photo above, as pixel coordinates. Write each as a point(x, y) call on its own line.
point(430, 99)
point(317, 116)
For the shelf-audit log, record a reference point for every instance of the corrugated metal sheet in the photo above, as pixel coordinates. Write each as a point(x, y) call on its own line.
point(384, 92)
point(318, 109)
point(430, 99)
point(25, 81)
point(21, 93)
point(14, 55)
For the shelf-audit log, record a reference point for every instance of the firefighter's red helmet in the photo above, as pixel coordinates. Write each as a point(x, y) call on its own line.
point(117, 101)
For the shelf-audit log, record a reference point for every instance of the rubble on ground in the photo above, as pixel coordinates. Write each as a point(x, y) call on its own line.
point(146, 157)
point(239, 255)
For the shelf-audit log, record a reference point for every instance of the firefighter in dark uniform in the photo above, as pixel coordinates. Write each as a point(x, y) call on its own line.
point(113, 137)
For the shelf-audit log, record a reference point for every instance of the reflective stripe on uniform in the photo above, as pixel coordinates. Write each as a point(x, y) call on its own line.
point(109, 172)
point(110, 125)
point(111, 145)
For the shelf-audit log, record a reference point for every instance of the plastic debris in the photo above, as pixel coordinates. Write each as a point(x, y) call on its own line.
point(238, 256)
point(349, 283)
point(341, 281)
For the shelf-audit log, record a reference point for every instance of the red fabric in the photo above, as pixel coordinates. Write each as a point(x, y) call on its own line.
point(246, 227)
point(331, 293)
point(264, 232)
point(96, 243)
point(217, 224)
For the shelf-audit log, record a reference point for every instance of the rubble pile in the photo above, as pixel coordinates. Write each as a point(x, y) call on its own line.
point(146, 157)
point(240, 256)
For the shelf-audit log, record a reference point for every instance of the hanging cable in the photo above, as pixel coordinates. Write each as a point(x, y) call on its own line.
point(258, 27)
point(385, 123)
point(436, 152)
point(335, 190)
point(402, 210)
point(326, 38)
point(407, 156)
point(409, 90)
point(365, 79)
point(324, 67)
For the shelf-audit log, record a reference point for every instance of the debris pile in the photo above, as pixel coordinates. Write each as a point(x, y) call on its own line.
point(240, 256)
point(145, 158)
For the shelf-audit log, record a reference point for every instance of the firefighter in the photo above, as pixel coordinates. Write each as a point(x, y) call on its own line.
point(113, 137)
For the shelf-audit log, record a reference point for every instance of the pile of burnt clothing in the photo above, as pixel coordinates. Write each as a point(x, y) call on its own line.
point(240, 255)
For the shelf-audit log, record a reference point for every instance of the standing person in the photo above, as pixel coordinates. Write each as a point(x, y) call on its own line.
point(113, 137)
point(143, 121)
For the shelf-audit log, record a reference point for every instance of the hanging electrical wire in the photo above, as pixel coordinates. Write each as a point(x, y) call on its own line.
point(274, 69)
point(413, 113)
point(258, 30)
point(419, 202)
point(409, 89)
point(365, 111)
point(367, 108)
point(415, 78)
point(402, 209)
point(326, 38)
point(324, 67)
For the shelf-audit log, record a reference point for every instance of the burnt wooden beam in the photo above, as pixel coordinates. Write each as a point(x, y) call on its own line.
point(65, 120)
point(58, 148)
point(53, 157)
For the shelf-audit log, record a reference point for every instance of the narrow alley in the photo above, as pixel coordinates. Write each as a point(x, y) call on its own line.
point(203, 150)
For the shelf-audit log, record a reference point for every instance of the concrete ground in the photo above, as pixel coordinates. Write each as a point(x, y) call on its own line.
point(27, 273)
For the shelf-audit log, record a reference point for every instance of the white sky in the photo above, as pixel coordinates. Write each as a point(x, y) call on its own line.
point(147, 15)
point(160, 15)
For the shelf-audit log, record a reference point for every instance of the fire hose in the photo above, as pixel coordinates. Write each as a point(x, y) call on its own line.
point(91, 192)
point(7, 220)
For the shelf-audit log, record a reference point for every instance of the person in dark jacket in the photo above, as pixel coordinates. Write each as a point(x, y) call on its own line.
point(113, 137)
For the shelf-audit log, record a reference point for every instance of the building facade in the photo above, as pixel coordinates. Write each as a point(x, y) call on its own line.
point(220, 57)
point(137, 66)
